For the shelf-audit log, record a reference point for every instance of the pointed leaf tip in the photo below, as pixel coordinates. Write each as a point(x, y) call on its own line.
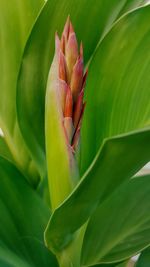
point(71, 29)
point(57, 43)
point(66, 29)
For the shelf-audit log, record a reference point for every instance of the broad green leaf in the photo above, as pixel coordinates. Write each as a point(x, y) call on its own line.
point(118, 85)
point(10, 259)
point(144, 259)
point(117, 160)
point(16, 20)
point(39, 53)
point(120, 227)
point(23, 219)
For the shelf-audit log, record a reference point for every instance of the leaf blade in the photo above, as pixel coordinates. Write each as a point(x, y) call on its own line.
point(98, 183)
point(14, 29)
point(23, 219)
point(144, 259)
point(119, 103)
point(127, 231)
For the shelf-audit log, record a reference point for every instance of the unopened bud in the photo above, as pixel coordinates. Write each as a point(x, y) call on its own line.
point(72, 81)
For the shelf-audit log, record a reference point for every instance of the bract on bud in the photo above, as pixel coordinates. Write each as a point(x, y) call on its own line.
point(77, 78)
point(62, 67)
point(72, 80)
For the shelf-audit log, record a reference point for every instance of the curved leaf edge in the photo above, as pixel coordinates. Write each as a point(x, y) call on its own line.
point(105, 143)
point(132, 254)
point(112, 26)
point(42, 174)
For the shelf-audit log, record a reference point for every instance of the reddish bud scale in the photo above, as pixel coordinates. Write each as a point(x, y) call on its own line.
point(72, 83)
point(68, 104)
point(62, 67)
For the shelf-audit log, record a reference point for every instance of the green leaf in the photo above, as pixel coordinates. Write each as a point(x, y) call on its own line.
point(117, 160)
point(9, 259)
point(118, 85)
point(16, 20)
point(119, 227)
point(144, 259)
point(123, 264)
point(4, 150)
point(39, 53)
point(23, 218)
point(131, 5)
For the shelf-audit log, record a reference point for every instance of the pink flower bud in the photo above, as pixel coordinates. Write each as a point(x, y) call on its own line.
point(71, 81)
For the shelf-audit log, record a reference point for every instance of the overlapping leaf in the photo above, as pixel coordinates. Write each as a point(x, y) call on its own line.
point(4, 150)
point(118, 85)
point(23, 217)
point(119, 235)
point(117, 160)
point(144, 259)
point(16, 19)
